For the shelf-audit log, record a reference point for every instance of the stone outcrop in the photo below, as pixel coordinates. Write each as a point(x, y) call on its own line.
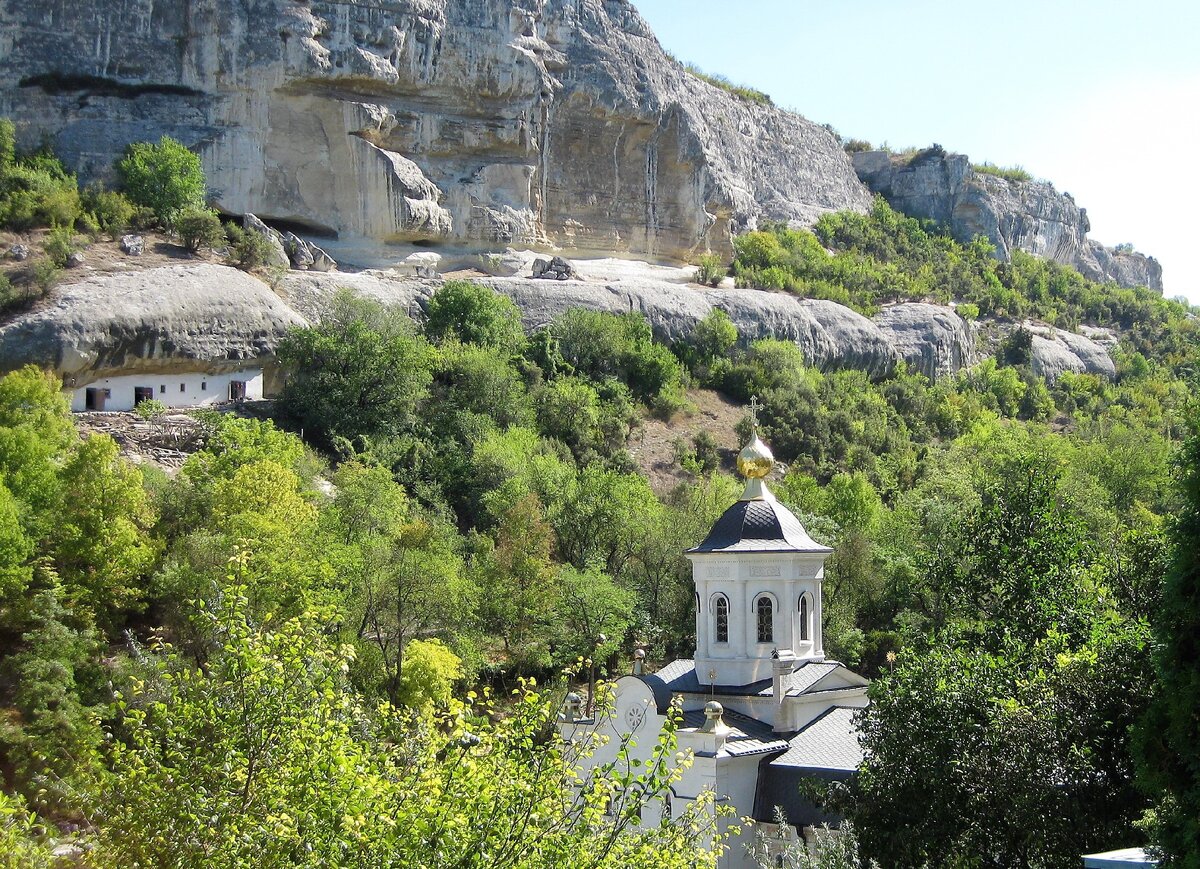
point(1014, 215)
point(554, 269)
point(215, 318)
point(185, 318)
point(485, 123)
point(931, 339)
point(1054, 351)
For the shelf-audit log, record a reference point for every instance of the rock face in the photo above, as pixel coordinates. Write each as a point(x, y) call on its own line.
point(184, 318)
point(481, 122)
point(1014, 215)
point(1054, 351)
point(931, 339)
point(830, 335)
point(215, 318)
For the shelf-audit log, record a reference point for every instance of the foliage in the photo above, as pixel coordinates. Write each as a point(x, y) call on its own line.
point(1169, 734)
point(165, 177)
point(361, 373)
point(21, 836)
point(742, 92)
point(248, 249)
point(429, 673)
point(45, 273)
point(710, 269)
point(199, 228)
point(35, 189)
point(1008, 173)
point(59, 245)
point(474, 315)
point(287, 766)
point(111, 210)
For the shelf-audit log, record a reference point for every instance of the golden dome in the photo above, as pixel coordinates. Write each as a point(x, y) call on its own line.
point(755, 461)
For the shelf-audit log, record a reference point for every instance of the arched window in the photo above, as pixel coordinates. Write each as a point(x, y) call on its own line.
point(721, 617)
point(805, 631)
point(697, 601)
point(766, 627)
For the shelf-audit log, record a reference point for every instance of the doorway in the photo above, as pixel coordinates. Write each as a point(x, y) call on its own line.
point(94, 398)
point(142, 393)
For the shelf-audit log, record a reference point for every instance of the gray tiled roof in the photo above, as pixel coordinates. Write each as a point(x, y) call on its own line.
point(747, 735)
point(759, 526)
point(829, 743)
point(679, 677)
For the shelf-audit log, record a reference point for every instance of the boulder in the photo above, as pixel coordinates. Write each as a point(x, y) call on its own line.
point(277, 255)
point(423, 263)
point(1054, 351)
point(19, 252)
point(505, 265)
point(76, 259)
point(931, 339)
point(134, 245)
point(554, 269)
point(305, 255)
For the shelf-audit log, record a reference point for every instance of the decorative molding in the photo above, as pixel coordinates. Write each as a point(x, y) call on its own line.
point(765, 570)
point(720, 571)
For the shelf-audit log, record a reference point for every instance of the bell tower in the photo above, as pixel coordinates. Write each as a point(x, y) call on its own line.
point(758, 579)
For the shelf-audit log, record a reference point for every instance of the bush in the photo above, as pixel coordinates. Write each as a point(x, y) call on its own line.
point(111, 210)
point(59, 246)
point(710, 269)
point(151, 409)
point(1008, 173)
point(474, 315)
point(45, 275)
point(166, 178)
point(968, 311)
point(7, 143)
point(248, 250)
point(7, 294)
point(199, 228)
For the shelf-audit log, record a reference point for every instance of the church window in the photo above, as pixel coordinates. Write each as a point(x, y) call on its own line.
point(721, 617)
point(805, 631)
point(766, 627)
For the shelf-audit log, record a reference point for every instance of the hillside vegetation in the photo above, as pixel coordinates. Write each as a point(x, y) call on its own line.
point(349, 648)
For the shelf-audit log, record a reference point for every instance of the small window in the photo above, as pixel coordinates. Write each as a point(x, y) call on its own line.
point(697, 601)
point(162, 389)
point(108, 393)
point(766, 627)
point(804, 628)
point(203, 385)
point(183, 387)
point(721, 610)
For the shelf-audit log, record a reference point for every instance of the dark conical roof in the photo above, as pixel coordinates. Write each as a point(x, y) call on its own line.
point(759, 525)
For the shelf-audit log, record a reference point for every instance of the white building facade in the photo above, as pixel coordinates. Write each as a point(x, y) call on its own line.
point(763, 709)
point(188, 389)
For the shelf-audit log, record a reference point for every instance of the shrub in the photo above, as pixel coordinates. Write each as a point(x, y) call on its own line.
point(748, 94)
point(59, 246)
point(166, 178)
point(968, 311)
point(248, 250)
point(45, 275)
point(199, 228)
point(855, 146)
point(143, 218)
point(1008, 173)
point(151, 409)
point(7, 143)
point(710, 269)
point(474, 315)
point(112, 210)
point(7, 294)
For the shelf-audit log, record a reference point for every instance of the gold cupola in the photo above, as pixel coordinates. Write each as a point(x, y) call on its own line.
point(755, 462)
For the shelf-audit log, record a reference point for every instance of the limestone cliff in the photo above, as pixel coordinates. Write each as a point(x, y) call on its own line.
point(479, 122)
point(1015, 215)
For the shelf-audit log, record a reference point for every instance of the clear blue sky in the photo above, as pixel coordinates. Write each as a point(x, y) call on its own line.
point(1102, 98)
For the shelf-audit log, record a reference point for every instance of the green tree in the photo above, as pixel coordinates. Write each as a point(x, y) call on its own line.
point(429, 673)
point(474, 315)
point(165, 177)
point(593, 614)
point(1169, 734)
point(362, 372)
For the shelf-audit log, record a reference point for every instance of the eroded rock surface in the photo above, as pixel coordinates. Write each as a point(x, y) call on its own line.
point(482, 122)
point(931, 339)
point(1054, 351)
point(189, 318)
point(1014, 215)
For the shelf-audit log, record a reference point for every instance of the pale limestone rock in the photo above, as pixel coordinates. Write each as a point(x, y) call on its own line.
point(1054, 351)
point(482, 123)
point(187, 317)
point(19, 252)
point(277, 255)
point(932, 339)
point(1014, 215)
point(133, 245)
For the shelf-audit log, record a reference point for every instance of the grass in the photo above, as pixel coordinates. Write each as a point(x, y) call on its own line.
point(1008, 173)
point(742, 92)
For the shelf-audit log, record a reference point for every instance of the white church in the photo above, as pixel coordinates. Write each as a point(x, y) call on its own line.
point(763, 709)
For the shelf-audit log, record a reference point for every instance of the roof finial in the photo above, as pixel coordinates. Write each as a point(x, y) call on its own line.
point(755, 462)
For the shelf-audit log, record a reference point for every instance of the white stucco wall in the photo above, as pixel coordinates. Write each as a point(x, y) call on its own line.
point(192, 389)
